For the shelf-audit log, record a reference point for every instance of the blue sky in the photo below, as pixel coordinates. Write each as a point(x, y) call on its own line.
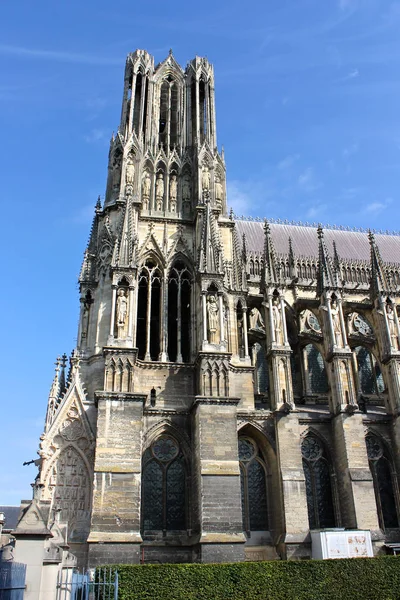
point(308, 96)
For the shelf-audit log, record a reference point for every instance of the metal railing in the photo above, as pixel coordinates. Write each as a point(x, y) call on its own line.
point(95, 584)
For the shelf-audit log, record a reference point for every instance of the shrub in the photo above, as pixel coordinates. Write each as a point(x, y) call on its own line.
point(347, 579)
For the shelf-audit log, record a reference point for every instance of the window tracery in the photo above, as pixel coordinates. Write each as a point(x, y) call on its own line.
point(370, 379)
point(253, 486)
point(164, 484)
point(385, 486)
point(317, 474)
point(149, 311)
point(179, 303)
point(317, 380)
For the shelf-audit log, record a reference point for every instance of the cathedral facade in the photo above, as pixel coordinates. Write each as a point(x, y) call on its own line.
point(236, 383)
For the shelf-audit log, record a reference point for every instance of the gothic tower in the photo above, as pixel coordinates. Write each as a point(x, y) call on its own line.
point(235, 384)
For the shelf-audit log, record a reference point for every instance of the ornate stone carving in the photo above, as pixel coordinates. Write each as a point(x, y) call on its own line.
point(219, 192)
point(337, 330)
point(212, 319)
point(309, 322)
point(392, 326)
point(160, 192)
point(205, 179)
point(358, 325)
point(129, 175)
point(256, 320)
point(277, 321)
point(122, 311)
point(146, 187)
point(173, 193)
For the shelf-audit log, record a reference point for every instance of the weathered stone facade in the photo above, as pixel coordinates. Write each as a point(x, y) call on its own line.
point(198, 330)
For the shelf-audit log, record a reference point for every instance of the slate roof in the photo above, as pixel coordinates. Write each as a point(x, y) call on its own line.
point(11, 514)
point(351, 245)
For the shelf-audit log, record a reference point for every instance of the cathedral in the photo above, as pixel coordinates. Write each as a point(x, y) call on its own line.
point(236, 382)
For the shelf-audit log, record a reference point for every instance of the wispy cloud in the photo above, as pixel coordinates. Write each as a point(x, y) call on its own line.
point(347, 4)
point(288, 161)
point(377, 207)
point(239, 198)
point(55, 55)
point(316, 210)
point(352, 75)
point(307, 180)
point(95, 135)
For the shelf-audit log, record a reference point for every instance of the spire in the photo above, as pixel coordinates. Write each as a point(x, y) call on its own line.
point(327, 276)
point(88, 265)
point(63, 364)
point(292, 261)
point(379, 282)
point(210, 259)
point(336, 262)
point(271, 267)
point(54, 395)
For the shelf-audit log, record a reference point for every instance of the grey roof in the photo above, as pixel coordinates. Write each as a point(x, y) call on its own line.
point(11, 514)
point(351, 245)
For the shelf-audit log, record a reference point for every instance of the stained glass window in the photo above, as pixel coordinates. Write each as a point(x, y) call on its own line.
point(318, 381)
point(380, 465)
point(318, 484)
point(253, 486)
point(369, 374)
point(163, 495)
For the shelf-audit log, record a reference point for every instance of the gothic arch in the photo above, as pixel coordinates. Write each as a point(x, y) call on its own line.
point(385, 480)
point(167, 428)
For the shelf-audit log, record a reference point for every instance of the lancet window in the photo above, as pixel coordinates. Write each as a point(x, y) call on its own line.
point(179, 303)
point(164, 485)
point(319, 485)
point(315, 370)
point(253, 486)
point(385, 485)
point(370, 379)
point(150, 294)
point(169, 113)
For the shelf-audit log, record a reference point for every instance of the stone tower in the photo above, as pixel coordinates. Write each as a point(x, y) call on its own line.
point(211, 411)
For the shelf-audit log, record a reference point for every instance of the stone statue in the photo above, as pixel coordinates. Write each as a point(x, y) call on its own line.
point(146, 185)
point(219, 192)
point(337, 329)
point(277, 321)
point(256, 320)
point(160, 191)
point(212, 314)
point(130, 171)
point(205, 179)
point(116, 173)
point(85, 319)
point(394, 341)
point(122, 308)
point(173, 193)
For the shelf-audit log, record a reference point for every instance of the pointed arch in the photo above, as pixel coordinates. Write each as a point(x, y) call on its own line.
point(385, 481)
point(165, 472)
point(148, 330)
point(320, 482)
point(180, 278)
point(316, 378)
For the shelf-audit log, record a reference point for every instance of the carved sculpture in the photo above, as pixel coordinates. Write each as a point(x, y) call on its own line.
point(219, 192)
point(160, 191)
point(205, 179)
point(116, 173)
point(277, 321)
point(212, 313)
point(146, 186)
point(130, 171)
point(173, 193)
point(337, 329)
point(256, 320)
point(392, 325)
point(122, 309)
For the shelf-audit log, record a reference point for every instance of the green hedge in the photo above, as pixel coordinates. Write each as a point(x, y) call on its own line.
point(347, 579)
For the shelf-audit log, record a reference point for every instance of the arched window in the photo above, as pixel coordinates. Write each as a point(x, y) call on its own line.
point(253, 486)
point(383, 477)
point(203, 116)
point(179, 300)
point(261, 382)
point(370, 379)
point(148, 314)
point(164, 484)
point(164, 102)
point(317, 474)
point(315, 370)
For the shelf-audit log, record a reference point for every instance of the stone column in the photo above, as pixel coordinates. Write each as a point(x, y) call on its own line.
point(113, 304)
point(246, 341)
point(293, 537)
point(221, 317)
point(217, 513)
point(115, 528)
point(148, 319)
point(164, 318)
point(204, 302)
point(131, 312)
point(179, 324)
